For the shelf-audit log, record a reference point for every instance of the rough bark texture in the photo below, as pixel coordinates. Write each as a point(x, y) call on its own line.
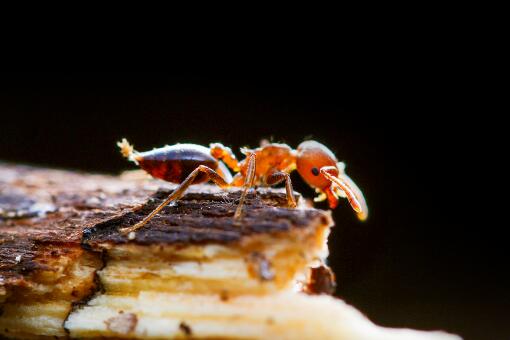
point(43, 212)
point(46, 211)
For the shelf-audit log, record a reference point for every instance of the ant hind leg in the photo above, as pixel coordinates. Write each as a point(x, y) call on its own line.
point(178, 192)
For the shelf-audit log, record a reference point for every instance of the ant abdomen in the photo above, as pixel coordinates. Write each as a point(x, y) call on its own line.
point(173, 163)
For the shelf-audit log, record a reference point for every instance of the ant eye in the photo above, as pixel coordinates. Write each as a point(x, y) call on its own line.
point(315, 171)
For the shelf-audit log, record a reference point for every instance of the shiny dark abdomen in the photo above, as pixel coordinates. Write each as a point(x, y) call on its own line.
point(174, 163)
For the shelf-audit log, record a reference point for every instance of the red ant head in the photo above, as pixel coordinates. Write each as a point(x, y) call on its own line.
point(320, 169)
point(311, 157)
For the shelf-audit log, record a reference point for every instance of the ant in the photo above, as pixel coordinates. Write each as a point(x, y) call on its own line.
point(267, 165)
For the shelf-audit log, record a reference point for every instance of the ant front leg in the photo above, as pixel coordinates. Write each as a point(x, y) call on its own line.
point(278, 177)
point(248, 183)
point(178, 192)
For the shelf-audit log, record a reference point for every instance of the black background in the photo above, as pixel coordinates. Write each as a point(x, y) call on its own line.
point(428, 257)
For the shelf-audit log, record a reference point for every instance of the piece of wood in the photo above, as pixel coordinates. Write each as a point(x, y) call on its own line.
point(45, 210)
point(51, 220)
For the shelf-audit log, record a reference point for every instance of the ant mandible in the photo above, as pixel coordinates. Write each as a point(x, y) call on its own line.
point(267, 165)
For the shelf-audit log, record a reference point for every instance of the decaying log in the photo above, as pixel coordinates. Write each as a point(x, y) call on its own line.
point(48, 210)
point(67, 272)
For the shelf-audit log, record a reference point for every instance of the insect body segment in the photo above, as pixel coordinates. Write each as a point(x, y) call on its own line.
point(268, 165)
point(175, 163)
point(319, 167)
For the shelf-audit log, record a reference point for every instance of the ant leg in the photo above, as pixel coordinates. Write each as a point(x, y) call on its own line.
point(178, 192)
point(341, 181)
point(278, 177)
point(225, 154)
point(248, 183)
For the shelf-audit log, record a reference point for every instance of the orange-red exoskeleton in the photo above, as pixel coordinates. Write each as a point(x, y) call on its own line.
point(266, 165)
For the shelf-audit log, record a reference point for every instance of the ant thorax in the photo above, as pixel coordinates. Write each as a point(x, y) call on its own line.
point(270, 158)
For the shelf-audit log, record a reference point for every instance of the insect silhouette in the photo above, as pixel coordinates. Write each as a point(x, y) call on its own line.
point(267, 165)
